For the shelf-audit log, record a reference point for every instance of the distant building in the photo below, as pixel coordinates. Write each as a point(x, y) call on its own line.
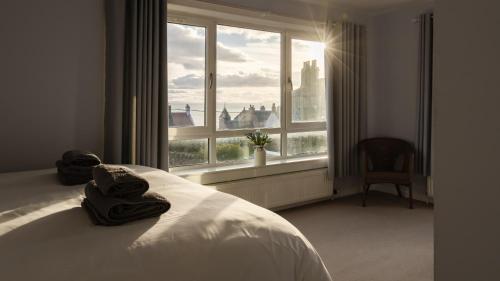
point(308, 100)
point(250, 118)
point(180, 119)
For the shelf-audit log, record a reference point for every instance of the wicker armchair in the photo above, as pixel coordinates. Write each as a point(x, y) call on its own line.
point(387, 160)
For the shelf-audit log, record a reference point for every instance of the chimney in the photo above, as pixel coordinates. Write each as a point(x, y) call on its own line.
point(188, 109)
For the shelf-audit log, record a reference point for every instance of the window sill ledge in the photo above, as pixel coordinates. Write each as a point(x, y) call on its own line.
point(213, 175)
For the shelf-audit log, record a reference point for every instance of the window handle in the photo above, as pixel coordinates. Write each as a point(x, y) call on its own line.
point(210, 80)
point(290, 83)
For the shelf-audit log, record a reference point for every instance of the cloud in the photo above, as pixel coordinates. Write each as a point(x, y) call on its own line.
point(177, 91)
point(229, 54)
point(190, 81)
point(189, 63)
point(273, 39)
point(242, 37)
point(185, 41)
point(247, 80)
point(243, 97)
point(255, 80)
point(236, 39)
point(186, 47)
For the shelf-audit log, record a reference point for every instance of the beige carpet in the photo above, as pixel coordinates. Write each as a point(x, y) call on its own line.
point(385, 241)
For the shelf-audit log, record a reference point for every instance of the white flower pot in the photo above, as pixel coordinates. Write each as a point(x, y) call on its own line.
point(260, 157)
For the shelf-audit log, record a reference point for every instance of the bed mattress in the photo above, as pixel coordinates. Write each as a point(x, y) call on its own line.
point(206, 235)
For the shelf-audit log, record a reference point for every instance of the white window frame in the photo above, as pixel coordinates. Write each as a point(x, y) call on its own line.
point(209, 131)
point(290, 125)
point(205, 129)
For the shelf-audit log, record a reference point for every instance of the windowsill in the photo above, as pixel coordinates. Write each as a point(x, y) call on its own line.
point(211, 175)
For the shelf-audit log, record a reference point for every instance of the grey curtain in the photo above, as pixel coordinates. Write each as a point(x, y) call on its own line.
point(423, 141)
point(136, 100)
point(345, 65)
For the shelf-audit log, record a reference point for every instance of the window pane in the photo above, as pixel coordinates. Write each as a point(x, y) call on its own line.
point(248, 78)
point(239, 149)
point(306, 143)
point(187, 152)
point(186, 75)
point(308, 79)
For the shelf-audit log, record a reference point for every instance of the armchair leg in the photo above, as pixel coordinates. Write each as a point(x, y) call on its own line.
point(411, 196)
point(366, 187)
point(399, 191)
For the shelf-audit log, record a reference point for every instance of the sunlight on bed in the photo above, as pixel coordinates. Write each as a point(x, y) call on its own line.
point(12, 219)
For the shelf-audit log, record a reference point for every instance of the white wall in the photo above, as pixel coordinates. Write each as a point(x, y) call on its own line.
point(467, 140)
point(51, 80)
point(393, 40)
point(393, 46)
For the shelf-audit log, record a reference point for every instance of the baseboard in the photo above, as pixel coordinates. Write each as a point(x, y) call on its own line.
point(351, 186)
point(418, 193)
point(347, 186)
point(301, 204)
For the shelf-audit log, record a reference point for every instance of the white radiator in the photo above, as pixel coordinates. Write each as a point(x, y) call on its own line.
point(280, 190)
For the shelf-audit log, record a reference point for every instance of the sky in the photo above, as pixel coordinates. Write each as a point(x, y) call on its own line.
point(248, 64)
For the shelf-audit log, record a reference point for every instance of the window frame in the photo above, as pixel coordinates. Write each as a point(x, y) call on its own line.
point(197, 130)
point(305, 125)
point(209, 131)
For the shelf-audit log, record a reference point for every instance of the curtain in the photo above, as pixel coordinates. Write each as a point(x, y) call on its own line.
point(136, 100)
point(423, 141)
point(346, 96)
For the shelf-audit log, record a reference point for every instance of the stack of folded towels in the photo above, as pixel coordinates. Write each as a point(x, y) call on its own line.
point(117, 195)
point(76, 167)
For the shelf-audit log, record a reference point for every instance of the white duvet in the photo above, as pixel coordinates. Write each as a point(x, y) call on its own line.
point(206, 235)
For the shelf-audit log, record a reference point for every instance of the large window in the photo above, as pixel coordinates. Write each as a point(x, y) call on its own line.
point(186, 75)
point(228, 79)
point(248, 78)
point(236, 149)
point(188, 152)
point(308, 77)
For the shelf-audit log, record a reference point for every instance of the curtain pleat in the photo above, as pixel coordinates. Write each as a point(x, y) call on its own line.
point(345, 65)
point(423, 141)
point(143, 133)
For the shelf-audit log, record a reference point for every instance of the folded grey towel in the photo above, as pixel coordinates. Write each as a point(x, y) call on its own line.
point(74, 170)
point(104, 210)
point(72, 175)
point(73, 179)
point(119, 181)
point(80, 158)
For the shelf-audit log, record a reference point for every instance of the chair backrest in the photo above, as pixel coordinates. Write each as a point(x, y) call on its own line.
point(384, 154)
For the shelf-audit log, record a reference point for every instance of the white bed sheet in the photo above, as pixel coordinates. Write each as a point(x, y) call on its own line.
point(206, 235)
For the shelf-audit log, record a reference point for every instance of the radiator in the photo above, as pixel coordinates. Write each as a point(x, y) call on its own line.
point(281, 190)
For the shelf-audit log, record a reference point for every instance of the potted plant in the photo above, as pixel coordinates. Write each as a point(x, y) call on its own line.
point(259, 140)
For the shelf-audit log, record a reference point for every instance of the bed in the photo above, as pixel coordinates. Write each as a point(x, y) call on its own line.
point(206, 235)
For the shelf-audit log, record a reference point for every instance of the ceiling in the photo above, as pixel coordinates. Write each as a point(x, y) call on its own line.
point(364, 4)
